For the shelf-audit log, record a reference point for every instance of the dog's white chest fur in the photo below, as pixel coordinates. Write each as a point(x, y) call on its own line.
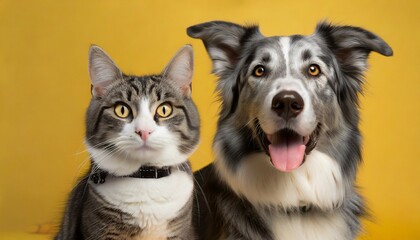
point(152, 202)
point(325, 226)
point(318, 182)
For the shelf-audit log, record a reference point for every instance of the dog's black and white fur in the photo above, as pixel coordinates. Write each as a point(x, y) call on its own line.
point(295, 93)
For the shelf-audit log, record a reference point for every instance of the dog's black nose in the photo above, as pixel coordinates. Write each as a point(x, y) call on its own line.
point(287, 104)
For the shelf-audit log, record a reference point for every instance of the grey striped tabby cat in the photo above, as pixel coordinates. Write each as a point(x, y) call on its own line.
point(140, 133)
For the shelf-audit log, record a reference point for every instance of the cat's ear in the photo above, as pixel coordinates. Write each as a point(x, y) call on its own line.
point(102, 70)
point(180, 69)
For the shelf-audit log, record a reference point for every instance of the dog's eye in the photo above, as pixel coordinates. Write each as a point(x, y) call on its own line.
point(314, 70)
point(259, 71)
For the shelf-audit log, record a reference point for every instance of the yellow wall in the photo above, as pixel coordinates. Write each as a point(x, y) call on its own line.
point(44, 90)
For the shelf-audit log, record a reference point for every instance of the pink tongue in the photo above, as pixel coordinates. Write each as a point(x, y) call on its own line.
point(287, 156)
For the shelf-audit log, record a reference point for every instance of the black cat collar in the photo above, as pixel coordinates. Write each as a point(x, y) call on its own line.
point(99, 176)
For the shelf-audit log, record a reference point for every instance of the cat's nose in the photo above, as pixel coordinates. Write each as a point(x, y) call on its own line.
point(144, 134)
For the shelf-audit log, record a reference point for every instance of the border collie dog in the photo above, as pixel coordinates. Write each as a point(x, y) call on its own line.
point(288, 143)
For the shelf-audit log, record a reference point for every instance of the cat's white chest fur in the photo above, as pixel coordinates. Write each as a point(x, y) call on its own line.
point(152, 202)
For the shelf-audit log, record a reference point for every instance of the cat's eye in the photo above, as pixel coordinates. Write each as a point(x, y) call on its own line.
point(164, 110)
point(314, 70)
point(121, 110)
point(258, 71)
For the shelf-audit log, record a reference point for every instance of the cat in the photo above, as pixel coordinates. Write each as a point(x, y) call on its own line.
point(140, 132)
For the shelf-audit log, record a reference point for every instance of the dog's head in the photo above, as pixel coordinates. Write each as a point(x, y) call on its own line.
point(291, 90)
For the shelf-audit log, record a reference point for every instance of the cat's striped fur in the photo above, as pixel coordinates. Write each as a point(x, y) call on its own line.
point(134, 122)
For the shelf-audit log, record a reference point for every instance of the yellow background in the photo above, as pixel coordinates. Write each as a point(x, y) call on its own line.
point(44, 91)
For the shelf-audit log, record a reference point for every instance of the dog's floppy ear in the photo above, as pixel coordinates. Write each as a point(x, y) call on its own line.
point(351, 47)
point(352, 44)
point(223, 41)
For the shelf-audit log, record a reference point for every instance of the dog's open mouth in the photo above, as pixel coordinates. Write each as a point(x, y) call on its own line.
point(286, 148)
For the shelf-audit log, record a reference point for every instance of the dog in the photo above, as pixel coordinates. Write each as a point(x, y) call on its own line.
point(288, 143)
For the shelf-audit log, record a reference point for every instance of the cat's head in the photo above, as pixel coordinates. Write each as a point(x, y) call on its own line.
point(133, 121)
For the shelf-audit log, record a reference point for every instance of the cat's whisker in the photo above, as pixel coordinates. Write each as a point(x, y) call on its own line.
point(81, 166)
point(87, 160)
point(108, 141)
